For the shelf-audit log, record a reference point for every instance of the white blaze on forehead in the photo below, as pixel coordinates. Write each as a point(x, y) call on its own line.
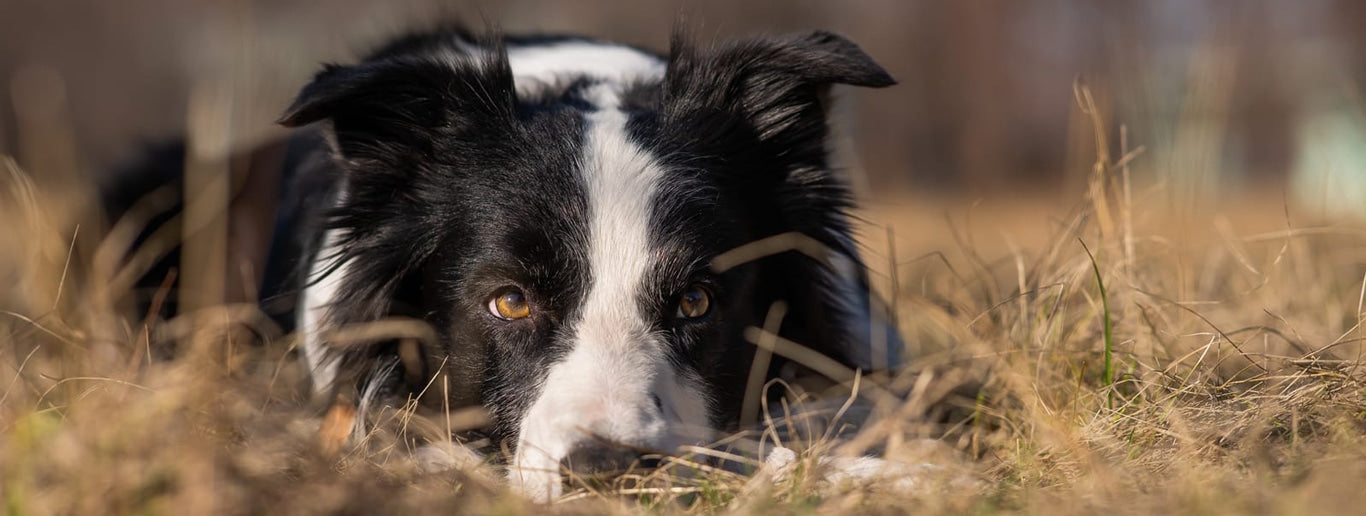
point(621, 180)
point(608, 382)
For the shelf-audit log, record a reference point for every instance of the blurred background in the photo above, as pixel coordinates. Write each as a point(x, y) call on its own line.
point(1225, 98)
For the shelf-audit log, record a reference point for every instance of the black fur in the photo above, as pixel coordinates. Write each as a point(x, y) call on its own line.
point(456, 186)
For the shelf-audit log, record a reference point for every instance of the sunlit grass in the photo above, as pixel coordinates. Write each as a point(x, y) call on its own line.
point(1175, 361)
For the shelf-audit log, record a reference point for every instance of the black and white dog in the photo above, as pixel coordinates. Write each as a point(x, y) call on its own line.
point(552, 207)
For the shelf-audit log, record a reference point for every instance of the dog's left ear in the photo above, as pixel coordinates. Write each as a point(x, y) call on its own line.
point(777, 87)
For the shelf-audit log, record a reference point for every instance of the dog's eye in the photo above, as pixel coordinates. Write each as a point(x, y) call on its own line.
point(694, 303)
point(509, 305)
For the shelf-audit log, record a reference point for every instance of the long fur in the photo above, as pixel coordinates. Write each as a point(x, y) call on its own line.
point(600, 181)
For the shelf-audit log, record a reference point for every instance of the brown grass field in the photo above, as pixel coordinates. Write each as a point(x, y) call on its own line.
point(1121, 351)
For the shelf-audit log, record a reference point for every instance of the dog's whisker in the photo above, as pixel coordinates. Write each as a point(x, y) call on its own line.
point(557, 231)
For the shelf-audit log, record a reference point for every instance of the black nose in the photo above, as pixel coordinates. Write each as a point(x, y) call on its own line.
point(594, 457)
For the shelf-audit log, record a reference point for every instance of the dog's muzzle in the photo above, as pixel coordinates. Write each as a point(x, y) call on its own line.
point(600, 413)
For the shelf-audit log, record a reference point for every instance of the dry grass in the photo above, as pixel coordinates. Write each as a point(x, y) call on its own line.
point(1121, 357)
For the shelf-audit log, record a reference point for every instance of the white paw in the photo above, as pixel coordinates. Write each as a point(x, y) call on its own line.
point(446, 456)
point(868, 472)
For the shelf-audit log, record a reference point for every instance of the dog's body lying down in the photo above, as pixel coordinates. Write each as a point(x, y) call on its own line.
point(552, 209)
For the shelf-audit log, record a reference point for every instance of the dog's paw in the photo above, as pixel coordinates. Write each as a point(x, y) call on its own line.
point(875, 473)
point(446, 456)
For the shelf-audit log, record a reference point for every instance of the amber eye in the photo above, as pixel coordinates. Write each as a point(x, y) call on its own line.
point(509, 305)
point(694, 303)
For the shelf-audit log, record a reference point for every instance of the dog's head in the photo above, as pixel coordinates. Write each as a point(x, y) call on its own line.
point(559, 231)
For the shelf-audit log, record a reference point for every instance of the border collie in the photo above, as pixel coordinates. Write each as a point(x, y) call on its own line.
point(552, 208)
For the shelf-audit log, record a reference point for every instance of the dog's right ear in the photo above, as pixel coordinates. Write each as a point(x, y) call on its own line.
point(405, 101)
